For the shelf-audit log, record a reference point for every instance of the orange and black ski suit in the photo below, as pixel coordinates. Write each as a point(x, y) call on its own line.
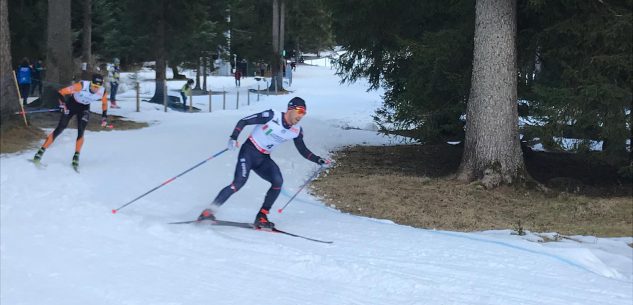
point(78, 104)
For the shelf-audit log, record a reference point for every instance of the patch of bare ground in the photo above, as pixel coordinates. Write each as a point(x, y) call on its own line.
point(414, 185)
point(15, 136)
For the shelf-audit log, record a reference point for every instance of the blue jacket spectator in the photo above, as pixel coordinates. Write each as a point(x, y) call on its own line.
point(24, 73)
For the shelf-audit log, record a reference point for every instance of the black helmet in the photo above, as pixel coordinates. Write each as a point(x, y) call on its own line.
point(297, 102)
point(97, 79)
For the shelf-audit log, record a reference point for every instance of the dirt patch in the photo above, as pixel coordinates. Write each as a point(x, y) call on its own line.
point(15, 137)
point(413, 185)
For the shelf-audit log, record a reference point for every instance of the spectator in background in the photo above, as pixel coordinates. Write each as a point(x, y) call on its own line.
point(238, 76)
point(262, 69)
point(114, 76)
point(36, 79)
point(186, 91)
point(24, 73)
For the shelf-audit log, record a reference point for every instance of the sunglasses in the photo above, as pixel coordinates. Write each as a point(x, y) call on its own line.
point(95, 84)
point(300, 110)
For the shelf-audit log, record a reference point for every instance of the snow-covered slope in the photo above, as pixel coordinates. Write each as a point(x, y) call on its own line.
point(60, 244)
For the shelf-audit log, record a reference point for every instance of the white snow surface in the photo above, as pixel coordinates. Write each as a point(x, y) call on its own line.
point(60, 243)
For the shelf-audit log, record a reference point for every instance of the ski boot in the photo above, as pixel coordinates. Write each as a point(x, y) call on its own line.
point(76, 162)
point(38, 156)
point(113, 105)
point(261, 220)
point(207, 214)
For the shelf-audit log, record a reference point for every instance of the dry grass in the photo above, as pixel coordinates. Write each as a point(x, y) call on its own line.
point(15, 137)
point(412, 185)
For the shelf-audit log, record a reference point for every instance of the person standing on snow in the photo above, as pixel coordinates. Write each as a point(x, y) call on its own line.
point(24, 74)
point(82, 94)
point(186, 91)
point(238, 76)
point(114, 75)
point(36, 80)
point(273, 128)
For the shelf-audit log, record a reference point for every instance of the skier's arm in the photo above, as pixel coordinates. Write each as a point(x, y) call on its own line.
point(76, 87)
point(305, 152)
point(258, 118)
point(104, 108)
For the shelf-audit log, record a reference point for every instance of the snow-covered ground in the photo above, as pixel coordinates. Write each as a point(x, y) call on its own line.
point(60, 244)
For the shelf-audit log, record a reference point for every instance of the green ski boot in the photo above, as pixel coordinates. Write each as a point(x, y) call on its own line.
point(38, 156)
point(76, 162)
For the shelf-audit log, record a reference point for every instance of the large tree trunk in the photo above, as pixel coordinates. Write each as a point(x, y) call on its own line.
point(204, 73)
point(9, 102)
point(59, 63)
point(492, 150)
point(197, 87)
point(175, 73)
point(278, 32)
point(161, 57)
point(86, 43)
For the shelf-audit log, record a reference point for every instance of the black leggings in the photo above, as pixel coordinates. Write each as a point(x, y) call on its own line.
point(249, 159)
point(83, 116)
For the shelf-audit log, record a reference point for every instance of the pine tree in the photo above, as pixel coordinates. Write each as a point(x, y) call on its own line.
point(59, 65)
point(9, 101)
point(492, 152)
point(577, 67)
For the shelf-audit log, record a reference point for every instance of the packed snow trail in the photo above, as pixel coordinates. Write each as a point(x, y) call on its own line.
point(60, 243)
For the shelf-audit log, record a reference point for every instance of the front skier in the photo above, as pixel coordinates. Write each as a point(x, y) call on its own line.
point(273, 128)
point(82, 93)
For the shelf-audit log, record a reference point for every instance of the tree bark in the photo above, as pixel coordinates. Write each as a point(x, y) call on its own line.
point(161, 56)
point(204, 73)
point(175, 73)
point(278, 15)
point(197, 87)
point(86, 43)
point(492, 151)
point(59, 63)
point(9, 102)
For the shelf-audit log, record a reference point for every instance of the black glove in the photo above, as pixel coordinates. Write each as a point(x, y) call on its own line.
point(322, 161)
point(104, 118)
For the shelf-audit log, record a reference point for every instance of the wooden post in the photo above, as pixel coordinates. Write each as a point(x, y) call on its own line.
point(15, 80)
point(190, 100)
point(258, 92)
point(165, 96)
point(210, 100)
point(248, 97)
point(237, 99)
point(223, 99)
point(138, 97)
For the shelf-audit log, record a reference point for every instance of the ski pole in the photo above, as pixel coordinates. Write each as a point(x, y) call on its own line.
point(316, 173)
point(37, 111)
point(169, 180)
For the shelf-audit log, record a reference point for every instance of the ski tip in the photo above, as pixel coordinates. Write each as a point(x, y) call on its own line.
point(114, 211)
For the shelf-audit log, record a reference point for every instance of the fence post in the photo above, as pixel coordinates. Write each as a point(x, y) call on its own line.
point(258, 92)
point(165, 96)
point(190, 100)
point(138, 97)
point(248, 97)
point(237, 99)
point(223, 99)
point(210, 100)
